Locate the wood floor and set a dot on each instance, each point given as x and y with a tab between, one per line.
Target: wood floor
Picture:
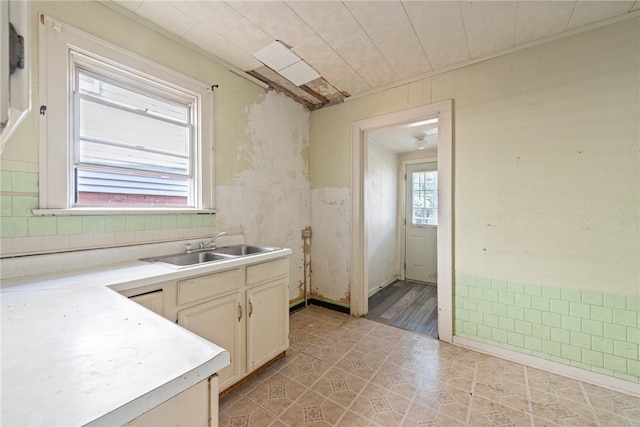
407	305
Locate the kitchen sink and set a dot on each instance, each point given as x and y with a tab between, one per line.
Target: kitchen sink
186	260
213	255
242	250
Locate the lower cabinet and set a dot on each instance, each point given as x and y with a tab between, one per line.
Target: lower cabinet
245	311
196	406
151	300
219	321
267	322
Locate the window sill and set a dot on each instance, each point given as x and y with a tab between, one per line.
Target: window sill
118	211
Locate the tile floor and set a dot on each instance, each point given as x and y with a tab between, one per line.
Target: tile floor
352	372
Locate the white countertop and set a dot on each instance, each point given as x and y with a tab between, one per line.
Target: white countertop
75	352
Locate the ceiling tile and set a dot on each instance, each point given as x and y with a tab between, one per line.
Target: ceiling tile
132	5
489	25
337	25
331	66
586	12
378	18
439	27
311	10
388	26
406	62
375	72
539	19
358	46
227	22
217	45
277	20
166	15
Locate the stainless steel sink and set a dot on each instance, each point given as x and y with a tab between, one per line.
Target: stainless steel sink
186	260
242	250
214	255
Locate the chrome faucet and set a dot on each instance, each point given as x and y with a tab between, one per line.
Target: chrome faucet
206	245
210	242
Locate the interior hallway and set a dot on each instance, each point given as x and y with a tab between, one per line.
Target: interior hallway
353	372
407	305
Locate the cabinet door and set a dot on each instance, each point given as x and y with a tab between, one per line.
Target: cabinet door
152	300
268	322
219	321
192	407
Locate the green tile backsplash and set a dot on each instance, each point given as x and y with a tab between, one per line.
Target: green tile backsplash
588	329
20	196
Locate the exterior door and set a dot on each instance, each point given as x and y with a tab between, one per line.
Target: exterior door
421	222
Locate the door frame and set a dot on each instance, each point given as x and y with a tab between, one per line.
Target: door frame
359	295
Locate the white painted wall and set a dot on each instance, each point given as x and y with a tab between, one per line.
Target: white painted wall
381	216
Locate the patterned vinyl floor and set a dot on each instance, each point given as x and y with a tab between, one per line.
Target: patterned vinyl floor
344	371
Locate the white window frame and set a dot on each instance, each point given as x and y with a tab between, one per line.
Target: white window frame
57	41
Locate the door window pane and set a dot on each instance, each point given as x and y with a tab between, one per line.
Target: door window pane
424	190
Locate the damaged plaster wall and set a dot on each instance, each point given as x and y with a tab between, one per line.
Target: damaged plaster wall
330	248
267	197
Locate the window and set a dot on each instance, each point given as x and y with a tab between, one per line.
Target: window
129	134
424	190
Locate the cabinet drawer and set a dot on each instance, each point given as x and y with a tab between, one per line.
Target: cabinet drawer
267	271
207	286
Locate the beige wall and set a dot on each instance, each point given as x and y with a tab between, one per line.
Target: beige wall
546	160
381	211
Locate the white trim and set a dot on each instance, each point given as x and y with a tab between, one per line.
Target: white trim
359	291
558	368
57	41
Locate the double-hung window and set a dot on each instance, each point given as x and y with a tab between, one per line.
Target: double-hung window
120	132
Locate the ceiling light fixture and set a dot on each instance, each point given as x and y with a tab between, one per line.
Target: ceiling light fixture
420	143
285	62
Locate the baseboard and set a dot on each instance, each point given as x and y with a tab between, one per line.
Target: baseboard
330	306
321	303
573	372
296	307
382	286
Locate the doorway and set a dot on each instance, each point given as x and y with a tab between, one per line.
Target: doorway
359	288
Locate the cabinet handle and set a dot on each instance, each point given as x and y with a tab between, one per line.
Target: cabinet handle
250	308
239	312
